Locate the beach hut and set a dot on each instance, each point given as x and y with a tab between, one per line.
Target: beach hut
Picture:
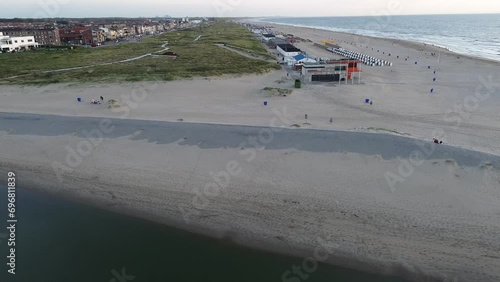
301	58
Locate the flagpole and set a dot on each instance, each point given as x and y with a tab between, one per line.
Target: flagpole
347	72
340	71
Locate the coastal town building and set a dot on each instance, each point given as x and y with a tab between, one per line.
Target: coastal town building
109	33
98	36
43	36
10	44
76	35
92	32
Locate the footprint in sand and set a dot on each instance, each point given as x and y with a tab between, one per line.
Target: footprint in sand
453	167
490	174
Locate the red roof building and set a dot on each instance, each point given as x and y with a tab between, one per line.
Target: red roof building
76	35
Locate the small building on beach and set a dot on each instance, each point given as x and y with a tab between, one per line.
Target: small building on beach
303	58
338	70
268	36
288	50
323	72
352	66
275	42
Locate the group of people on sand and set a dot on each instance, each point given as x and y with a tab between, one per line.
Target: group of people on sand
96	101
437	141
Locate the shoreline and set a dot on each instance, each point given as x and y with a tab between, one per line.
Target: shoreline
174	244
259	212
300	253
407	41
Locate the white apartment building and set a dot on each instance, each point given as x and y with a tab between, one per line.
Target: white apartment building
9	44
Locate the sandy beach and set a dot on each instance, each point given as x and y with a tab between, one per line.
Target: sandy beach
206	155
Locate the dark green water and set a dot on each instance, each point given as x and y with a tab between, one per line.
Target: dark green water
62	241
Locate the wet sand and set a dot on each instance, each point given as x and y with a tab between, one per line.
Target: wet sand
289	192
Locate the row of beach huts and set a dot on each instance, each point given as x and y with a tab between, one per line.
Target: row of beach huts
307	67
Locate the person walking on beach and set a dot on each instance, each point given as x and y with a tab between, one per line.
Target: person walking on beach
102	98
305	116
331	120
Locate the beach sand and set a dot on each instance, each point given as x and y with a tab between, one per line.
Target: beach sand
364	185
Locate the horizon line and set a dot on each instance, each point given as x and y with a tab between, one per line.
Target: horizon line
235	17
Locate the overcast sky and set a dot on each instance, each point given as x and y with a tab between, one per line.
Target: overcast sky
241	8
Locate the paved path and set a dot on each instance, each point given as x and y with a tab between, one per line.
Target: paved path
250	56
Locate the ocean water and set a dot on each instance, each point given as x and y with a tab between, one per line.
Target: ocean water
475	35
64	241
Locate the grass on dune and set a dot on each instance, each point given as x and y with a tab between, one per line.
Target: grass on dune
195	58
46	59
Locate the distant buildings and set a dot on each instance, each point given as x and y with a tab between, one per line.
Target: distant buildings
76	35
109	34
92	32
267	36
98	36
44	36
275	42
10	44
